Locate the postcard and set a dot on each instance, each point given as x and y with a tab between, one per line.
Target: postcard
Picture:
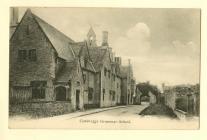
104	68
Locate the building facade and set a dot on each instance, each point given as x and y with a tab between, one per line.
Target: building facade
47	66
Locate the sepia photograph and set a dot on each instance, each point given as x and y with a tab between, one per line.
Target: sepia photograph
104	68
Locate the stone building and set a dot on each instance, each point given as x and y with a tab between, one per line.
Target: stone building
43	67
90	99
108	80
46	66
128	84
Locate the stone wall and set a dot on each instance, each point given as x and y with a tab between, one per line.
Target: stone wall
170	98
27	36
77	88
41	109
118	90
152	99
124	91
108	83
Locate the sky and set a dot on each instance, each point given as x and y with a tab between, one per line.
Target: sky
163	44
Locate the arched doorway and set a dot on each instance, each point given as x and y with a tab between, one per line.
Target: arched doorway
60	93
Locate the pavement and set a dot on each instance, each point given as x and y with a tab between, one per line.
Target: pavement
66	116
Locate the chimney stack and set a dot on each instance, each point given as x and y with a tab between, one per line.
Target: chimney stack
14	15
118	60
105	38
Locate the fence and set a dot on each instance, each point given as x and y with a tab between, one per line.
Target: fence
188	103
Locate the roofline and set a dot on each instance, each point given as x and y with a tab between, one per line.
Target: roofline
34	17
17	26
88	70
72	51
45	35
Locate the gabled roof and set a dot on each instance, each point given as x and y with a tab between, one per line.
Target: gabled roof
67	71
80	50
59	40
77	48
97	56
91	32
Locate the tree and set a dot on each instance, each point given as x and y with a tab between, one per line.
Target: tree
146	87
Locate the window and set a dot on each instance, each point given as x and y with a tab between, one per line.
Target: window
109	74
78	70
32	55
84	78
85	62
113	96
110	92
90	94
38	89
114	76
105	71
103	94
117	85
91	40
22	55
28	29
78	83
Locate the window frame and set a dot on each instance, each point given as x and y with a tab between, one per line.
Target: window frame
32	55
103	90
22	55
38	89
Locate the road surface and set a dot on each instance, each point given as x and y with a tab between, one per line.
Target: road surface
128	111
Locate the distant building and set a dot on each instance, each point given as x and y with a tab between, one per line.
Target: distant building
128	84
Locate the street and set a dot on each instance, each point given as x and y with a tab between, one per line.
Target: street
129	111
123	117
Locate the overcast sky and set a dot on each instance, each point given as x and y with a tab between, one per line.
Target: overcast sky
163	44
